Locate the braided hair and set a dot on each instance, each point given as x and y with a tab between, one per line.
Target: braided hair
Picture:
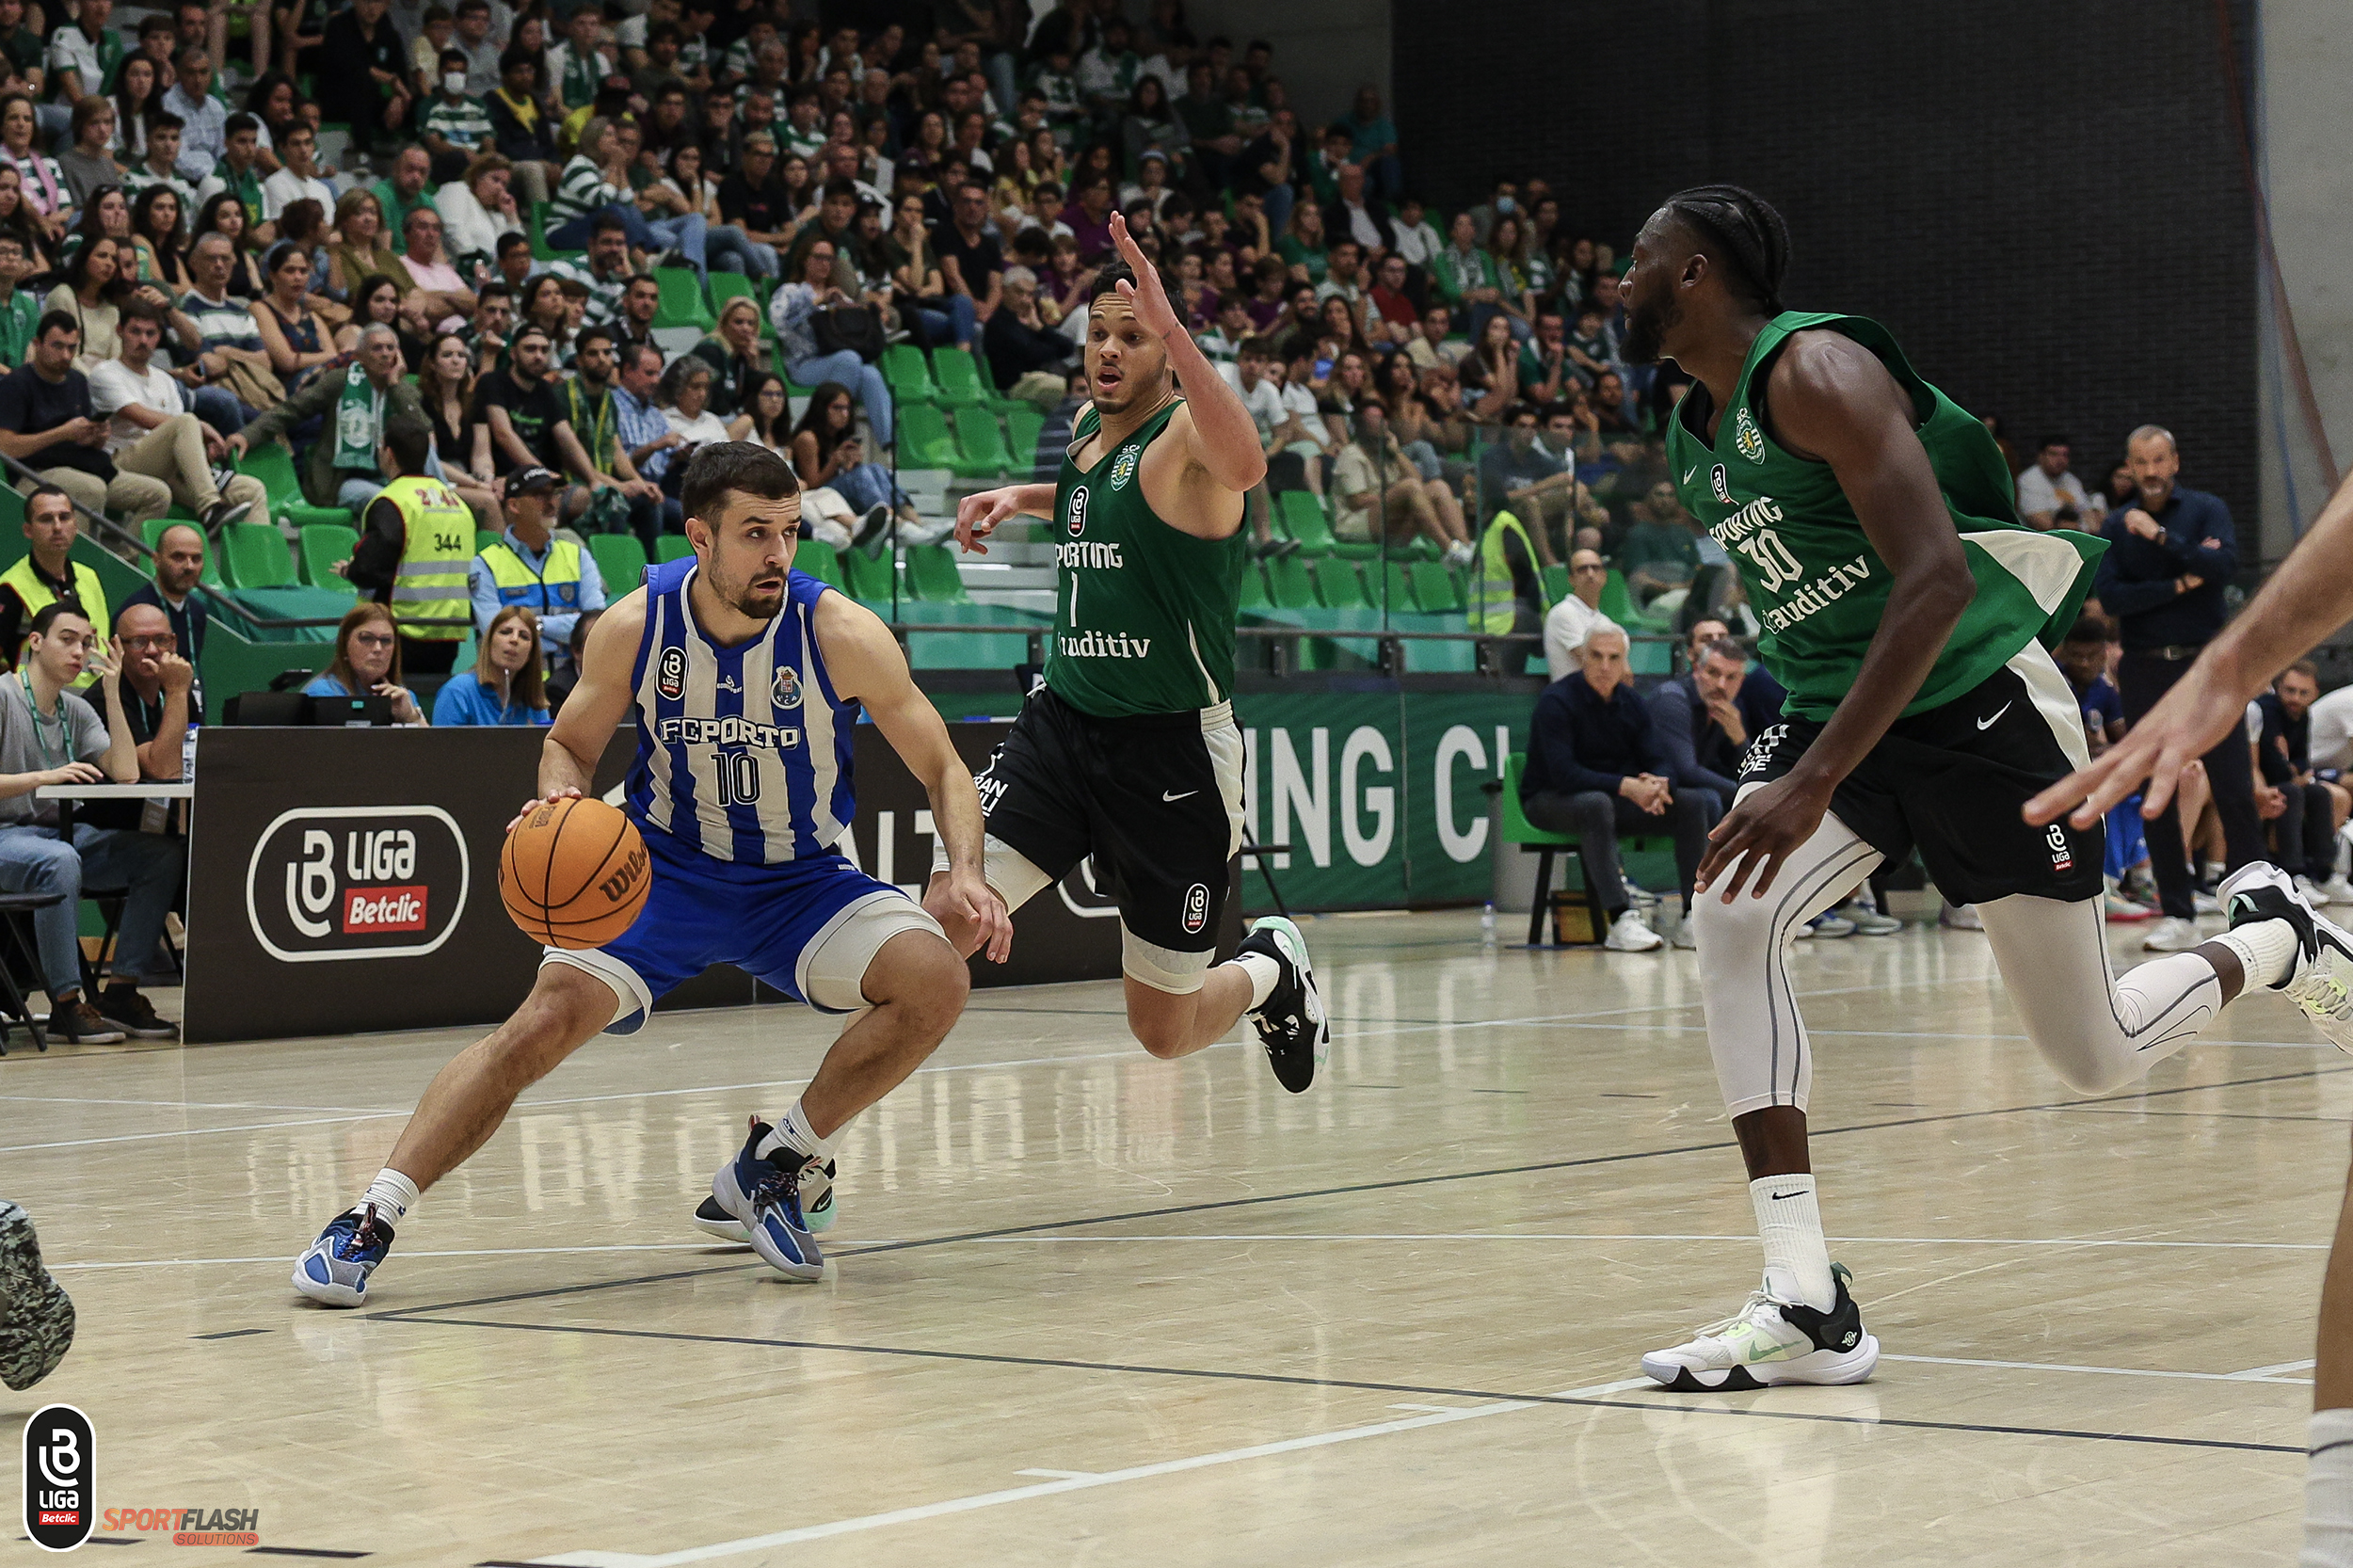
1746	232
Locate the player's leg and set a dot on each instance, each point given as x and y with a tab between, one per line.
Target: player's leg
1037	821
856	946
1804	1325
461	1107
2328	1478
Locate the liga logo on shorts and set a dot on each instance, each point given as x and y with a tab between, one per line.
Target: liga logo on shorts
1077	520
1196	908
670	680
2063	857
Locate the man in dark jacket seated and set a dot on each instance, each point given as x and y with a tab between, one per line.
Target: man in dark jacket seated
1595	770
1697	719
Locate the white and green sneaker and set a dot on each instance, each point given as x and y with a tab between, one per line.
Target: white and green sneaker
1770	1342
2321	980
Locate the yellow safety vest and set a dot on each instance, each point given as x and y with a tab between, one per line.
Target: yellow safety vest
553	592
1493	600
429	598
37	596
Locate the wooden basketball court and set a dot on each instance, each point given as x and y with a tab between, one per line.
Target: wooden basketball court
1090	1307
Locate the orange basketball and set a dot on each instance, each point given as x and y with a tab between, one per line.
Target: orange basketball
574	874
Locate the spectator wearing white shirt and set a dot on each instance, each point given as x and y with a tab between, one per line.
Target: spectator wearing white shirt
1411	237
298	179
2049	497
150	430
2331	744
1246	373
1568	623
686	404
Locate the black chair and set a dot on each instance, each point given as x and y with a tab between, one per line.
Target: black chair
16	913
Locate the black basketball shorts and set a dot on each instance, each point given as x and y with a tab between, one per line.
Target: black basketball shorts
1951	781
1155	800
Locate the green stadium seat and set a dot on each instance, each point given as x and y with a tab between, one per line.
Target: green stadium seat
325	545
484	538
1617	600
1338	584
959	378
932	575
1436	590
984	444
736	285
683	302
621	561
672	547
273	465
1024	423
254	555
1393	590
817	559
924	439
1253	594
1300	516
1289	583
869	578
536	227
908	375
1556	583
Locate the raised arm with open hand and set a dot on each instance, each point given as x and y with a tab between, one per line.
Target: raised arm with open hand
1223	438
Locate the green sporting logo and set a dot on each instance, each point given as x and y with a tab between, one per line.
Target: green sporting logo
1748	438
1122	467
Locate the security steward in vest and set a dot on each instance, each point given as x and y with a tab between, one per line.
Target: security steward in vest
47	574
530	566
420	524
1508	595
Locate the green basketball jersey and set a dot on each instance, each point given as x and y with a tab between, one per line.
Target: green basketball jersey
1817	588
1144	613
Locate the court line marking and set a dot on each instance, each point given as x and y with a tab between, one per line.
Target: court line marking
466	1252
1070	1482
2109	1371
1391	1184
1657	1235
2258	1374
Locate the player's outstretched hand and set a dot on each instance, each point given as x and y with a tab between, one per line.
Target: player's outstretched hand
566	793
1759	834
978	516
968	897
2202	707
1146	295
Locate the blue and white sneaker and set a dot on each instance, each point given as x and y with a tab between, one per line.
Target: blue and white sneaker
335	1271
1291	1022
817	1208
764	1197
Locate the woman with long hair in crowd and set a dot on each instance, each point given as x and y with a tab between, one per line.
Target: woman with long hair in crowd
445	379
139	97
800	190
1507	239
363	248
367	662
156	219
769	415
826	452
375	302
506	685
298	340
45	190
1492	369
735	356
939	315
19	222
107	213
542	305
277	103
93	293
225	215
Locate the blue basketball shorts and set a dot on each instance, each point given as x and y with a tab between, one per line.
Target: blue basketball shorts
809	928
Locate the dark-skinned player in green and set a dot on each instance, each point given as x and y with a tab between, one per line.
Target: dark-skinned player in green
1908	611
1127	750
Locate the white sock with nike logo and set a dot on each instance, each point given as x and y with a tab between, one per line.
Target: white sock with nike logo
1796	1259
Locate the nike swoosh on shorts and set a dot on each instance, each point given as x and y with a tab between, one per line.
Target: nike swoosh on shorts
1165	795
1988	721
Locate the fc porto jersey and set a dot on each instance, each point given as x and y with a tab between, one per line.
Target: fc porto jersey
742	752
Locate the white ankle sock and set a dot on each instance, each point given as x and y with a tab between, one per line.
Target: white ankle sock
1264	974
794	1133
2329	1493
1789	1221
393	1194
2265	948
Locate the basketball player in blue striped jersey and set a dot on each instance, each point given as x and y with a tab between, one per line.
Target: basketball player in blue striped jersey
745	679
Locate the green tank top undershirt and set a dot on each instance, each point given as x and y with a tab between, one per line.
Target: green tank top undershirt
1144	613
1816	586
